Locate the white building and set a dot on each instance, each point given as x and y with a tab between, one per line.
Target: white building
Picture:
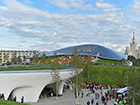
133	50
30	84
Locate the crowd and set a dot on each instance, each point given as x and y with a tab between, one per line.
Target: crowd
11	98
103	96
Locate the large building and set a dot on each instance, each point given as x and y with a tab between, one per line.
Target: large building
7	55
88	49
133	50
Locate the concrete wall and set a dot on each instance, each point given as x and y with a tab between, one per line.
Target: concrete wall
28	83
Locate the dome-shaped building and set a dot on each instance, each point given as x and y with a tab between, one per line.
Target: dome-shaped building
88	49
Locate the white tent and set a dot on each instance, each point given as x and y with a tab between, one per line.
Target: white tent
122	90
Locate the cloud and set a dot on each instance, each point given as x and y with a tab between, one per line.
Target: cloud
106	7
119	48
56	30
60	3
71	4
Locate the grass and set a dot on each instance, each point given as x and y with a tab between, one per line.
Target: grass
35	67
114	75
4	102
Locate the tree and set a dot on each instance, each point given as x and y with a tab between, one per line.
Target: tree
14	60
19	60
56	76
6	58
77	64
132	59
0	60
35	58
89	66
24	58
43	59
134	81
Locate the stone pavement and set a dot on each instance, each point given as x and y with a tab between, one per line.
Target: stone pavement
68	99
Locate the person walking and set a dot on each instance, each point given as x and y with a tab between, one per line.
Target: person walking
15	99
106	99
116	103
92	101
98	95
95	95
120	102
124	101
88	103
82	94
97	103
22	99
105	103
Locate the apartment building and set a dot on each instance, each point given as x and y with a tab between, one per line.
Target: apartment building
7	55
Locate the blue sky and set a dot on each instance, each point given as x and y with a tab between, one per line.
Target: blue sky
53	24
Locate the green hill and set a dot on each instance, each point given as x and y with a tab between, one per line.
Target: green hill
105	74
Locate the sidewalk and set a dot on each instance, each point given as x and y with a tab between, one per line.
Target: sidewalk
68	99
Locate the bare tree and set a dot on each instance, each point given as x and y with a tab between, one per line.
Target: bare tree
56	76
77	64
89	66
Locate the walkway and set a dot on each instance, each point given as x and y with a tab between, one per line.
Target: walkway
68	99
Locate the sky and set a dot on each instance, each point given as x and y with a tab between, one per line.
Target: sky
49	25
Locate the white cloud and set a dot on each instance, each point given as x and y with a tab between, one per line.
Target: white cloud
71	4
106	7
60	30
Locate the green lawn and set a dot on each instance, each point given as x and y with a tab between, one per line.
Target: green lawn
110	62
4	102
34	67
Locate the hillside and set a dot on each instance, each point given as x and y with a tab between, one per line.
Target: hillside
107	74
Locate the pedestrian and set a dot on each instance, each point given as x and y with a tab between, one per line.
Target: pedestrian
82	94
103	99
95	95
116	103
97	103
98	95
105	103
2	96
120	102
92	101
106	99
88	103
15	99
124	101
22	99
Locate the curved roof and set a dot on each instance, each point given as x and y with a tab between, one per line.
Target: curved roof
88	49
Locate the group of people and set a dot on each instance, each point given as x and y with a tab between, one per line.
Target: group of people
2	96
15	99
11	98
105	97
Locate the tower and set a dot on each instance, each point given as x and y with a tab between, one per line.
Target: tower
133	50
133	45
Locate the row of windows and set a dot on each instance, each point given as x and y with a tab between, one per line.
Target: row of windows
16	51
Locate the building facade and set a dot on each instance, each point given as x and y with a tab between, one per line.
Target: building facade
8	55
133	50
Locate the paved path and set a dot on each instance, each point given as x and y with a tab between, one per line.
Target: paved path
68	99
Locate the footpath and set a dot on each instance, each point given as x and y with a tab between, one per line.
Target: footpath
69	99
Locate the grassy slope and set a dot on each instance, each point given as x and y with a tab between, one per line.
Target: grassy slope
4	102
107	74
